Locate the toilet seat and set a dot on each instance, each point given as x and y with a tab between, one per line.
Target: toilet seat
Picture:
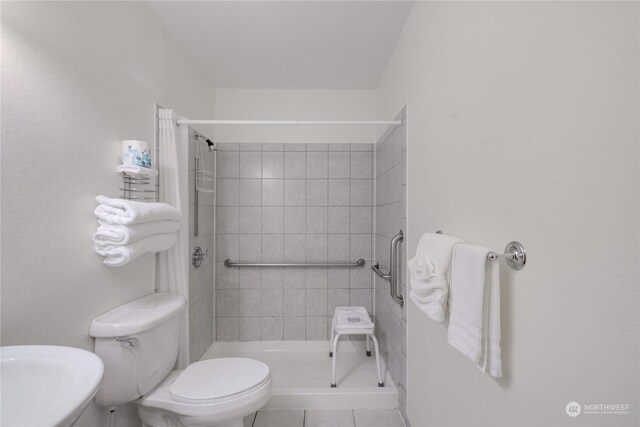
202	404
213	380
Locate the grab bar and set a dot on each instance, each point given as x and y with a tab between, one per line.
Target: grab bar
357	263
394	261
392	275
376	269
195	200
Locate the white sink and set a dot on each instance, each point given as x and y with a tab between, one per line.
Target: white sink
44	385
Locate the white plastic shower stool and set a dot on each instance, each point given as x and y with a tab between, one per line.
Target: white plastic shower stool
358	323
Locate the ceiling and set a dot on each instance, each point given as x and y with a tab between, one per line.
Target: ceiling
287	45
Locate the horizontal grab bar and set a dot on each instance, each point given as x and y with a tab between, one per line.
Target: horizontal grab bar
357	263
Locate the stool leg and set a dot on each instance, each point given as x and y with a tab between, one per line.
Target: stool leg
333	362
333	331
368	347
375	345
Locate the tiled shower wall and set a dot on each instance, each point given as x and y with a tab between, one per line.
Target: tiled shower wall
201	283
391	217
291	202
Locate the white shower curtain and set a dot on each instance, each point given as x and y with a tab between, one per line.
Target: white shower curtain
173	270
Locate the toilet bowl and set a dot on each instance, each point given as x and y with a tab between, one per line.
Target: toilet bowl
138	343
187	398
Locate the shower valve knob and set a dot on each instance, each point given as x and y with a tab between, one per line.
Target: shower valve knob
198	256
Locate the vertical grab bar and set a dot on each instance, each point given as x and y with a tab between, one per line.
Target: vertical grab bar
394	267
195	199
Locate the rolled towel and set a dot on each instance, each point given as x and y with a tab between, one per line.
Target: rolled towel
128	212
117	255
108	234
428	273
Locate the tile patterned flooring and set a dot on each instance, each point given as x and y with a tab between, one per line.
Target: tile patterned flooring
325	418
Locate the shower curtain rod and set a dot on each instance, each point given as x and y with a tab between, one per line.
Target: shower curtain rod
287	122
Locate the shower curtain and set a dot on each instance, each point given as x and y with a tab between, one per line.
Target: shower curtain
173	271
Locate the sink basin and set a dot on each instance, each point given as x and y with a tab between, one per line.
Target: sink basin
44	385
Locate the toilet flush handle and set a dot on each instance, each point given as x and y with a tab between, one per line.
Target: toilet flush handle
133	341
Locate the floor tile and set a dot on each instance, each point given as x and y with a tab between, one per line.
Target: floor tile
279	419
378	418
329	418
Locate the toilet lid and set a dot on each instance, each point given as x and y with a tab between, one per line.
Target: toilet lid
214	379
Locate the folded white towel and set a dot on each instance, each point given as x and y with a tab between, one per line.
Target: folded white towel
128	212
137	170
117	255
474	325
429	273
108	234
352	318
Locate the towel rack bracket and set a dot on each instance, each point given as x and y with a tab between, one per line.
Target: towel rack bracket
518	255
514	255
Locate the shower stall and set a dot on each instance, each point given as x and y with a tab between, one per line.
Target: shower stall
289	234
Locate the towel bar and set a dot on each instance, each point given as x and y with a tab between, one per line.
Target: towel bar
514	254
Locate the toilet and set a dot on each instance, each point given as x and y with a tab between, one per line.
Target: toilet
138	343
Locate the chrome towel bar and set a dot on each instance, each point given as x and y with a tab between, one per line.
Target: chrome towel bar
357	263
514	254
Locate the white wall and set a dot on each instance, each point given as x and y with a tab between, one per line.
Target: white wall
312	104
523	125
77	77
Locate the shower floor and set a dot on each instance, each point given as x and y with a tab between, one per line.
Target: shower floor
301	373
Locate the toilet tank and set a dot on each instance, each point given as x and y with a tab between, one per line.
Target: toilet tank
138	343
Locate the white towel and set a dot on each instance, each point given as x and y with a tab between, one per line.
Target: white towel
108	234
474	325
128	212
137	170
429	273
117	255
352	318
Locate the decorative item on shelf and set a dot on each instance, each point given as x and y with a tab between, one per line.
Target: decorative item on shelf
136	153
